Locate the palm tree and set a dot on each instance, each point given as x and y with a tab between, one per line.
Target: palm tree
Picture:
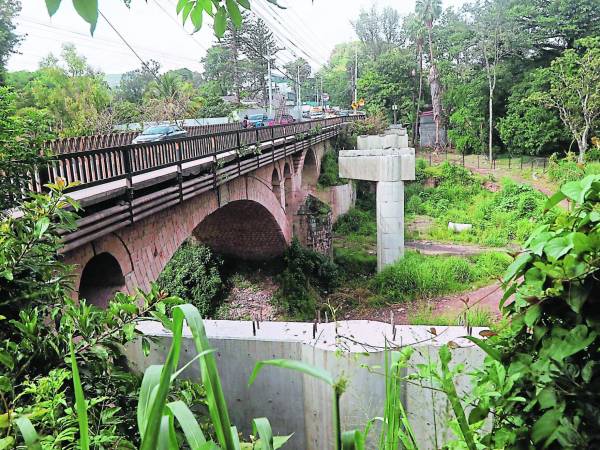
428	11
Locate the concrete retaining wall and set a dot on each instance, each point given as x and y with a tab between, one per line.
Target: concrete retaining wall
299	404
339	198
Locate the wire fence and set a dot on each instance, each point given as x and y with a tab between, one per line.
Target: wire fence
483	162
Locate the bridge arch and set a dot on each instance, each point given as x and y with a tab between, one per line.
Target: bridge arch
243	229
101	278
310	168
276	184
288	186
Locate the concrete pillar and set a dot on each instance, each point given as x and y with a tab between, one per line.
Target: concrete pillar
390	222
387	160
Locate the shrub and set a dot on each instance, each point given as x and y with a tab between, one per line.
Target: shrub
550	396
193	274
373	124
307	276
356	221
330	171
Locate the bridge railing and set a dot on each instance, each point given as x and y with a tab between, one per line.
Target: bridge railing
100	141
93	167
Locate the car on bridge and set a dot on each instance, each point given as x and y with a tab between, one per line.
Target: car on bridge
258	120
284	120
159	133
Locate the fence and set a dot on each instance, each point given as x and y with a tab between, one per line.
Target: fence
85	143
482	162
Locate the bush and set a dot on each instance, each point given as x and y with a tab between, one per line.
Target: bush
373	124
193	275
419	276
306	277
356	221
550	396
330	170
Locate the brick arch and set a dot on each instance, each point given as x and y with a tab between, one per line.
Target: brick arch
100	279
310	167
244	229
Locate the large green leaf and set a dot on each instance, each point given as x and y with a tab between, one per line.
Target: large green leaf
188	423
293	365
88	10
353	440
516	266
262	428
147	390
234	12
220	22
27	430
82	417
52	6
495	354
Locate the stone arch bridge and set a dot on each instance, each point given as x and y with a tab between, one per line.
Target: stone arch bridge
238	191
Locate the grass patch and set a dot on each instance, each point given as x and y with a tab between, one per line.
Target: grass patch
498	218
330	171
475	317
418	276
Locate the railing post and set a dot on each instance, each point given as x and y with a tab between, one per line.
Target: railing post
179	171
128	180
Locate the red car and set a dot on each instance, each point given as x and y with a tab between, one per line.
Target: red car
285	119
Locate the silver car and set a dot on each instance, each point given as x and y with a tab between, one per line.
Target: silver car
160	133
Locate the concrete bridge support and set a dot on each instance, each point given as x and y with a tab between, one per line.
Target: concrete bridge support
383	159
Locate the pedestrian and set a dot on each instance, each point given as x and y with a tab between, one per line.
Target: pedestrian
245	122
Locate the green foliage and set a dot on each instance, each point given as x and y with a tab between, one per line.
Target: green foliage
375	123
467	122
21	137
498	218
540	378
307	276
9	39
568	169
193	273
356	221
38	319
475	317
330	171
528	128
418	276
354	261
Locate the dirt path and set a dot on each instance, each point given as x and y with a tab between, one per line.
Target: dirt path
440	248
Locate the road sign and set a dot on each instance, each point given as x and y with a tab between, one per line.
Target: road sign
394	107
354	106
361	102
325	97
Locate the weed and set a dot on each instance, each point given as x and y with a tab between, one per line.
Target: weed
475	317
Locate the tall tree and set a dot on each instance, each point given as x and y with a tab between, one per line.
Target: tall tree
416	33
574	80
429	11
378	31
133	84
495	37
218	68
9	39
259	45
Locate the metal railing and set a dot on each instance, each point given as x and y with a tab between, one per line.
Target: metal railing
93	167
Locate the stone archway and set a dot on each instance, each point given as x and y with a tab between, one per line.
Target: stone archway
243	229
310	169
287	186
276	184
101	278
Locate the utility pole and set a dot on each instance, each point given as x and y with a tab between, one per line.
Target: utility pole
298	94
355	74
270	84
316	90
322	102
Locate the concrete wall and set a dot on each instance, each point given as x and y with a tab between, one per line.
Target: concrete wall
301	405
339	198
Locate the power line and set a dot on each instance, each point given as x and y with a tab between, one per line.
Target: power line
299	37
201	46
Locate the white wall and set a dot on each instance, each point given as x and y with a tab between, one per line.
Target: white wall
301	405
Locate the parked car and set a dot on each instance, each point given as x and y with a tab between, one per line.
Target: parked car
258	120
285	119
344	113
160	133
316	115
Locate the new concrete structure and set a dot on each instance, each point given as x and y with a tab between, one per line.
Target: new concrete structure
302	405
387	160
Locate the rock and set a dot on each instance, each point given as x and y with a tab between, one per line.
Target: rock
459	227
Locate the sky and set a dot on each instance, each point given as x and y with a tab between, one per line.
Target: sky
307	28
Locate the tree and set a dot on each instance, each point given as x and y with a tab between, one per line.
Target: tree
428	11
9	9
218	68
528	127
259	45
496	38
133	84
416	32
378	31
574	80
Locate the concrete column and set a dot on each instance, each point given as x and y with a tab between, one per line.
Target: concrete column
390	222
387	160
